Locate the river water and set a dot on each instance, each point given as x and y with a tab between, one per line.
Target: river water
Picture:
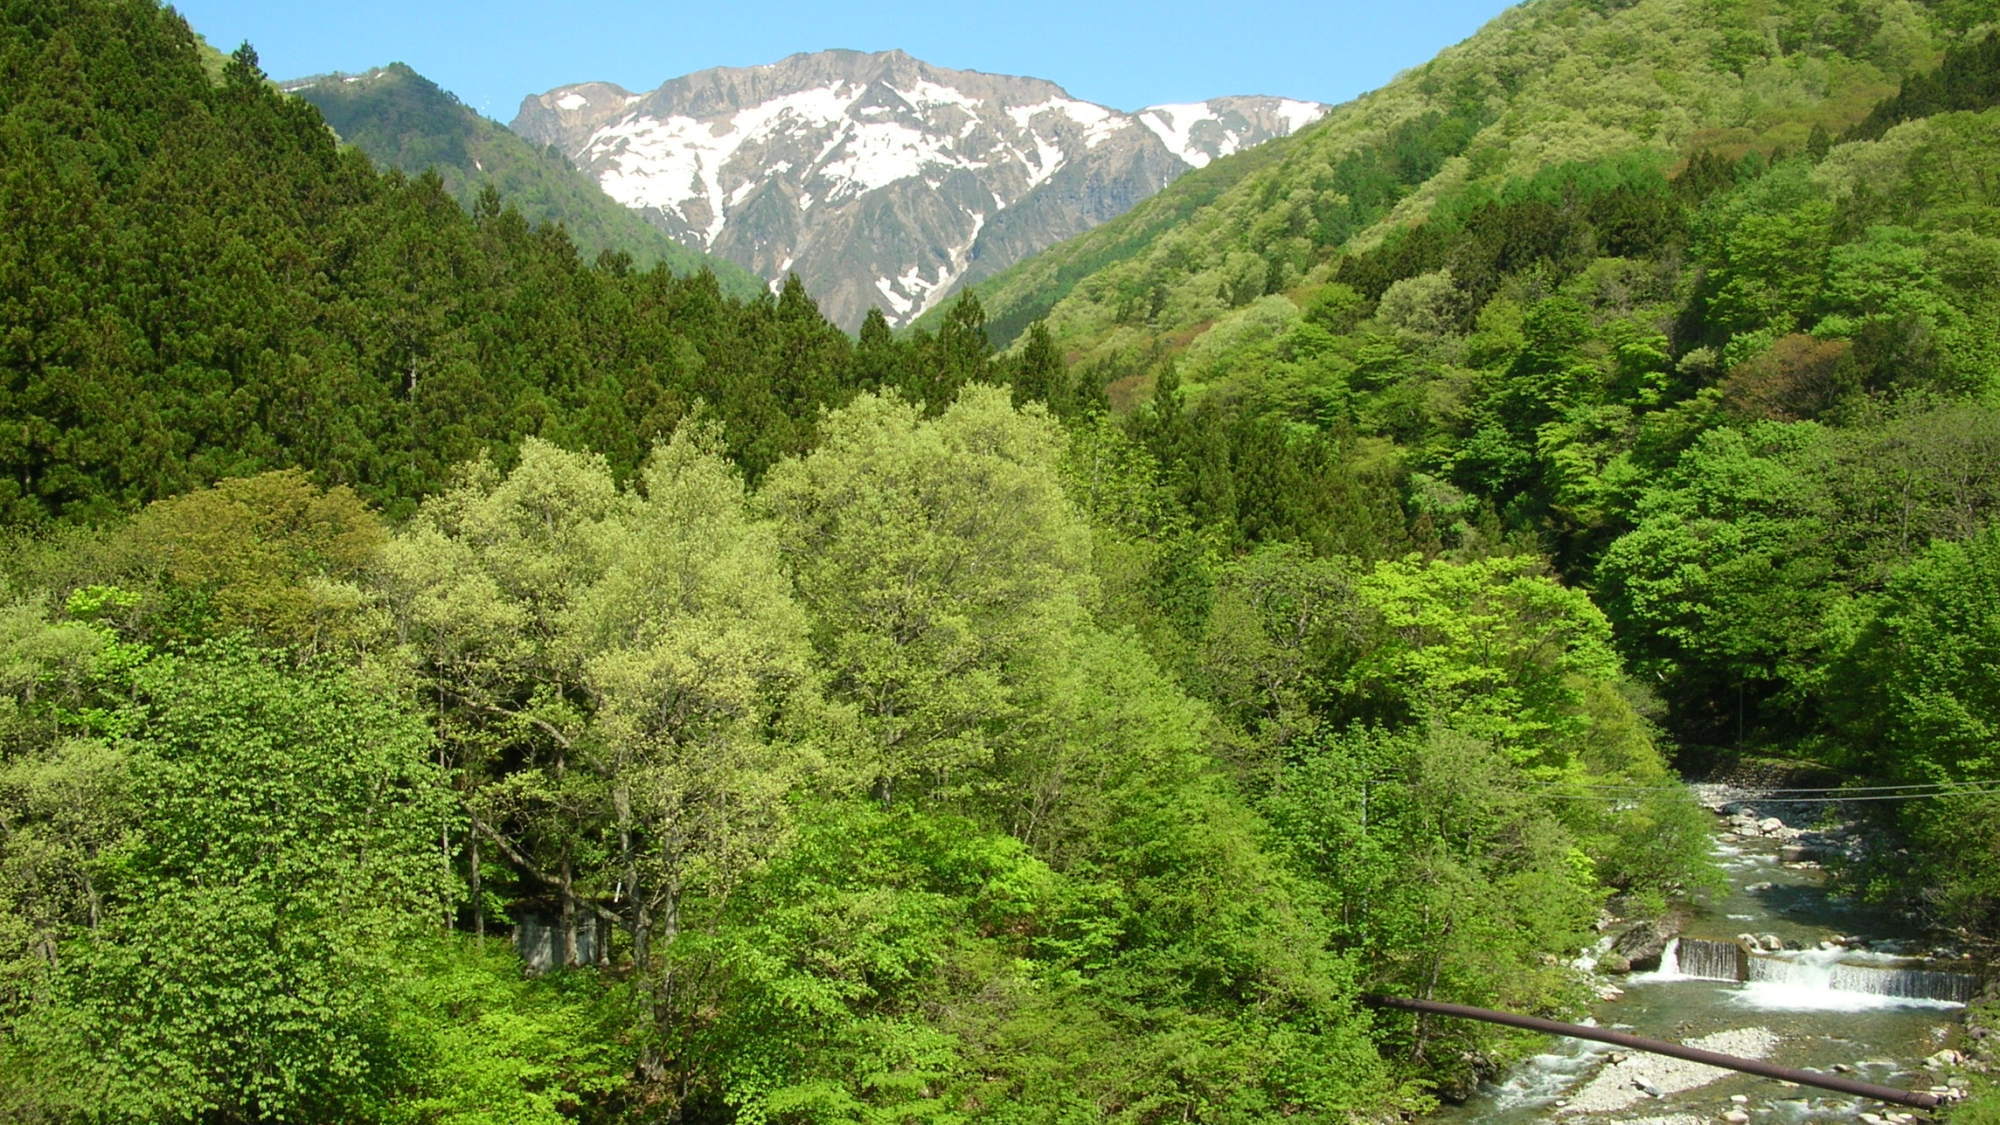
1808	1008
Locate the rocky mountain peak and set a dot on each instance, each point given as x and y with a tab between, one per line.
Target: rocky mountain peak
880	179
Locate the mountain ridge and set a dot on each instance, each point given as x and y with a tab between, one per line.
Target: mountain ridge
880	179
1540	85
401	119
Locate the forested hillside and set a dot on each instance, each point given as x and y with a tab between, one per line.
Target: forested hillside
865	729
201	284
1544	84
1695	300
403	120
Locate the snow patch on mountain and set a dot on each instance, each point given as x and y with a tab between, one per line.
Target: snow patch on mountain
1200	132
925	94
671	162
1046	162
1298	115
878	154
961	260
1173	124
1098	122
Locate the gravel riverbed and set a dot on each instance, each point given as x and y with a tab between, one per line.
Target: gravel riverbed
1634	1078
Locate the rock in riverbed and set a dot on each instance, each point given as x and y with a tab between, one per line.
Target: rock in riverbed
1641	946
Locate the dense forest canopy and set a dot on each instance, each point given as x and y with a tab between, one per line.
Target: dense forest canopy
884	729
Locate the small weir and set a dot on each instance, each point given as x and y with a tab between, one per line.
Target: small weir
1827	971
1705	960
1823	970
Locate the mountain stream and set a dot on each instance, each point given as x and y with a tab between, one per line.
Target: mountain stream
1845	994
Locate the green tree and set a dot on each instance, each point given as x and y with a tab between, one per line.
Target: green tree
271	554
695	663
1494	649
618	672
1917	701
944	571
286	844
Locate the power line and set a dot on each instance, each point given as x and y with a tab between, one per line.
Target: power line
1969	792
1755	793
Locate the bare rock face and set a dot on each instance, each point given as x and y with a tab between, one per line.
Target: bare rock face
882	181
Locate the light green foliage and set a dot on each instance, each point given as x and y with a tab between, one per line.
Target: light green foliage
1770	249
695	658
66	806
1241	340
1454	862
1935	171
1746	551
1282	628
1699	568
1491	648
946	575
1538	86
1399	723
484	1046
848	936
1653	846
484	582
1405	834
1153	565
1175	974
1425	306
272	554
635	659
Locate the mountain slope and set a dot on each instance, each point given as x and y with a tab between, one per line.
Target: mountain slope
1543	84
879	179
403	120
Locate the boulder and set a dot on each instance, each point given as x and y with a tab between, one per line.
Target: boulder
1642	945
1770	825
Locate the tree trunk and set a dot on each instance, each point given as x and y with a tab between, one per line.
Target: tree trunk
642	936
569	956
478	903
639	919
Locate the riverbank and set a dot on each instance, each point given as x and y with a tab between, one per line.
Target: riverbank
1785	969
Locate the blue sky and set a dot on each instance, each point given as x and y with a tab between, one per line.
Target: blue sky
1125	55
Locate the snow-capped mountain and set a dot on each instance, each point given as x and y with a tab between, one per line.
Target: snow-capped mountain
883	181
